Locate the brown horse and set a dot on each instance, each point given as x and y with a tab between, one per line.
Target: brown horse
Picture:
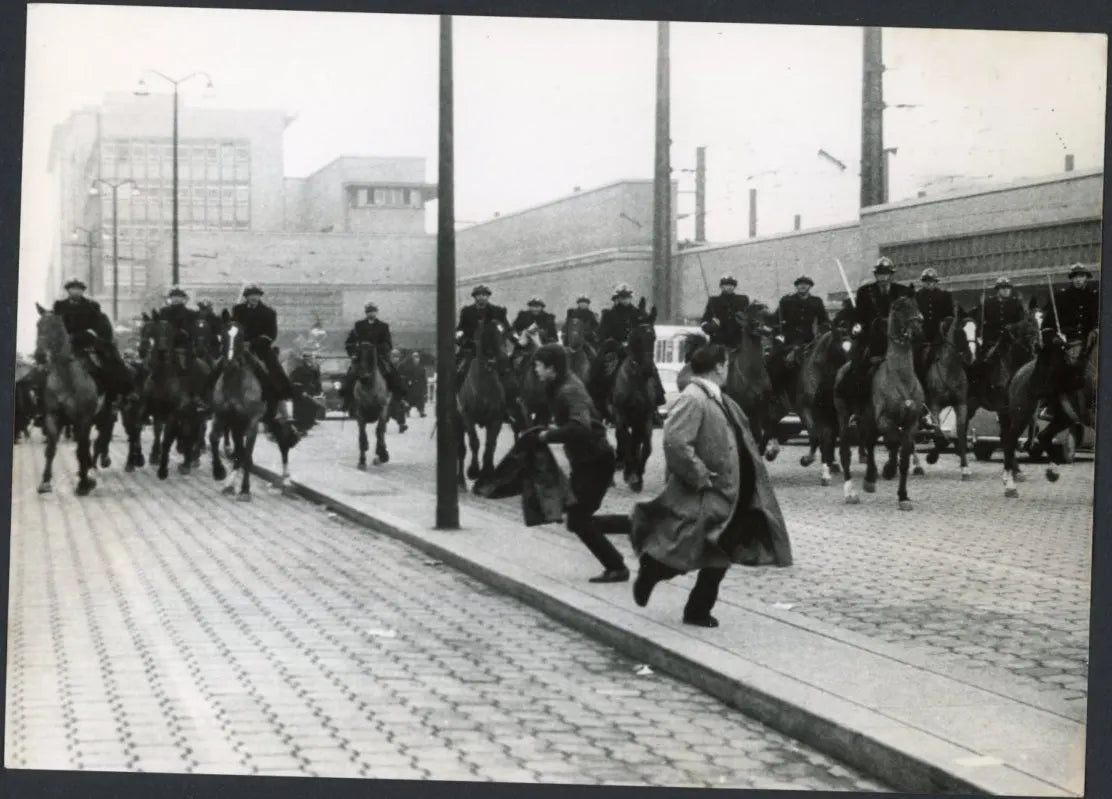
580	353
748	383
238	406
632	402
371	403
947	386
895	405
168	395
70	397
481	401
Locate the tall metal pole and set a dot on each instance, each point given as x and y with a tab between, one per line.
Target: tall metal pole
872	121
115	258
447	491
700	194
174	212
92	272
752	213
662	183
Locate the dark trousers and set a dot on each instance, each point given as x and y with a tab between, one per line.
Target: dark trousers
701	600
590	480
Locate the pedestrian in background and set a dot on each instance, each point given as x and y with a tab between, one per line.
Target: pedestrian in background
577	425
718	507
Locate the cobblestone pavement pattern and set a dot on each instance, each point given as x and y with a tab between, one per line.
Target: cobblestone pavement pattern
969	577
163	627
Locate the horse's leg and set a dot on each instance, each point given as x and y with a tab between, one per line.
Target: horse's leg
157	425
845	455
50	432
807	419
247	460
169	435
237	432
644	450
381	454
105	427
218	430
1008	444
941	443
473	443
1058	422
907	448
768	434
870	430
82	436
492	432
961	428
361	422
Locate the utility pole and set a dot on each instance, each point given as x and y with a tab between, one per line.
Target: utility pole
662	183
872	121
752	213
447	490
700	195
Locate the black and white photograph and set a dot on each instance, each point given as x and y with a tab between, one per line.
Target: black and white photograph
555	401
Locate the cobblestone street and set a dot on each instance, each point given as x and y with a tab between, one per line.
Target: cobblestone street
162	627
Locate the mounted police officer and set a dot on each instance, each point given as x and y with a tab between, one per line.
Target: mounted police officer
90	331
872	306
371	330
1078	308
935	304
208	315
582	310
800	317
258	325
613	331
537	316
997	312
182	318
720	317
481	310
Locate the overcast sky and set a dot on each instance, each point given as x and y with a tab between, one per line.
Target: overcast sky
544	105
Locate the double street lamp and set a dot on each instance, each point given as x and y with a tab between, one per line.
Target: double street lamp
142	91
115	187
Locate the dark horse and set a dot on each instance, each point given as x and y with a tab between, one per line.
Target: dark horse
946	385
748	383
70	397
532	404
169	395
580	353
238	406
481	401
895	405
632	402
370	403
133	410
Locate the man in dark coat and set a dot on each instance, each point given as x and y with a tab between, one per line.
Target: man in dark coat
873	305
374	331
718	507
306	380
91	332
800	318
582	310
481	310
416	382
577	425
182	318
536	315
1078	308
205	312
614	328
935	304
720	316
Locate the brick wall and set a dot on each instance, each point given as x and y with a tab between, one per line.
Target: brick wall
766	267
589	221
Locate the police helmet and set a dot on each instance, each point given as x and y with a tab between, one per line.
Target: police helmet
728	280
929	275
370	306
884	266
804	279
74	283
252	289
1077	270
475	292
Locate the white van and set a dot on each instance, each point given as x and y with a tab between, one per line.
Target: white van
669	356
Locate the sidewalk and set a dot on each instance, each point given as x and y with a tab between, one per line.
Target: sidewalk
886	709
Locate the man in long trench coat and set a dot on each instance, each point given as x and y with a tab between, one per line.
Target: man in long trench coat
718	507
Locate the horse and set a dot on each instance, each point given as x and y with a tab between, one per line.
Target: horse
1040	382
811	394
532	404
481	401
371	403
201	335
580	353
24	404
168	395
632	402
947	386
237	406
133	410
69	397
895	405
748	383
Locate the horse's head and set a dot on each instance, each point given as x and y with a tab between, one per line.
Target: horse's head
51	338
574	333
641	345
1024	334
490	340
232	343
201	332
366	360
754	320
905	322
160	333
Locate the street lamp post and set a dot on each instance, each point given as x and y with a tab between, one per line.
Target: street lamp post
115	237
89	245
142	92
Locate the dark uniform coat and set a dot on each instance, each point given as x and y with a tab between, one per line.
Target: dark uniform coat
873	303
1078	311
544	320
214	327
182	318
262	320
800	317
590	324
719	321
83	314
471	315
376	332
618	322
308	377
997	314
935	305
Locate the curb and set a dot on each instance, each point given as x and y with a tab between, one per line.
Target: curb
892	765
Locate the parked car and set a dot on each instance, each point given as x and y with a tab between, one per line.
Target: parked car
984	437
332	371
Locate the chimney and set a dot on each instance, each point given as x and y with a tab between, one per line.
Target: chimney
1069	163
752	213
796	222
